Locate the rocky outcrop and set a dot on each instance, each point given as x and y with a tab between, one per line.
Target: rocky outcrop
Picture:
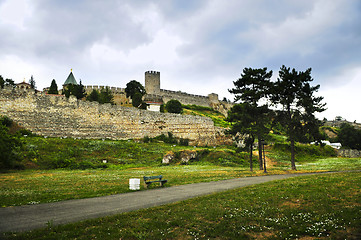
349	153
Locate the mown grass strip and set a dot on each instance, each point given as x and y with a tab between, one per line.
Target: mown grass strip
323	206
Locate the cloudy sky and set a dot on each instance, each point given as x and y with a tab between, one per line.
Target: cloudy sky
199	46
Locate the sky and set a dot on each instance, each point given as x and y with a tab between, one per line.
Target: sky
199	47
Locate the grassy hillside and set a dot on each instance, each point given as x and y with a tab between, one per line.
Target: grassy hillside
52	153
217	117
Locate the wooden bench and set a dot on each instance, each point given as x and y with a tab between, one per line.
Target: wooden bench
149	180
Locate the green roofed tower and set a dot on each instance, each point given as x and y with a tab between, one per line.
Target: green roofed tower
70	79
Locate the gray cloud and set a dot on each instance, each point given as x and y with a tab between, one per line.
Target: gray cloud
199	46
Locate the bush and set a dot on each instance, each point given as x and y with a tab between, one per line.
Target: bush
7	122
184	142
9	147
174	106
25	132
350	136
167	139
147	139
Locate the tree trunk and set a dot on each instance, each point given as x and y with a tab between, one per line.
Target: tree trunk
293	165
250	157
260	159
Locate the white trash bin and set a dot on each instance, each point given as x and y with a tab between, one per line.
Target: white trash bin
134	183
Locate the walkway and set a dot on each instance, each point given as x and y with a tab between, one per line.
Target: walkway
28	217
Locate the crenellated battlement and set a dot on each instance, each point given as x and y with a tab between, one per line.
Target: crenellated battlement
90	88
153	72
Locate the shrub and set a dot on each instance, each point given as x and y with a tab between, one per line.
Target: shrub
184	142
7	122
147	139
174	106
9	146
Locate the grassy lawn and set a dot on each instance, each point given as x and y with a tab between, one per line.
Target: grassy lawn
41	186
323	206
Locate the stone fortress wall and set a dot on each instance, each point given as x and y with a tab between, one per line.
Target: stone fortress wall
152	87
57	116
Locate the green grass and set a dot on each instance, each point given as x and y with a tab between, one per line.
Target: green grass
41	186
332	164
52	153
129	159
217	117
323	206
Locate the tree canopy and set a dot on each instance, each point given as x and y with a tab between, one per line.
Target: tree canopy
2	82
349	136
174	106
32	82
293	92
104	96
76	90
251	116
53	88
134	87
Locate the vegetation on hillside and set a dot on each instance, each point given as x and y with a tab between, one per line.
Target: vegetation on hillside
218	118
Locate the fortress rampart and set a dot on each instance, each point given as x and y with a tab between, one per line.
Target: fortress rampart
57	116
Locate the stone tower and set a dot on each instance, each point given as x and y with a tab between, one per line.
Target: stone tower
152	82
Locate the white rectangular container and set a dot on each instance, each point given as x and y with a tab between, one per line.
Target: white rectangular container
134	183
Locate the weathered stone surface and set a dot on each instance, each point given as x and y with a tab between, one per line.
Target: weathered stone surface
168	157
349	153
187	155
57	116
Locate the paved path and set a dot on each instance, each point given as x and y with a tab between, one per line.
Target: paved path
28	217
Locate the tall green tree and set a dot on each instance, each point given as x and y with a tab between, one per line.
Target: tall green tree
349	136
293	92
137	100
93	96
246	121
2	82
32	82
9	82
53	88
106	96
253	115
133	87
79	91
76	90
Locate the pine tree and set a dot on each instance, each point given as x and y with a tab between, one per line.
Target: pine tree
53	88
296	96
32	82
252	116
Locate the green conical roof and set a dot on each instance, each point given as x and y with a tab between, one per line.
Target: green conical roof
70	80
